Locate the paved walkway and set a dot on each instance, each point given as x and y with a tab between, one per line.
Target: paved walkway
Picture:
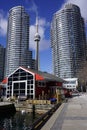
70	116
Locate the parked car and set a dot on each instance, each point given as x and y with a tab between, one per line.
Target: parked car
75	93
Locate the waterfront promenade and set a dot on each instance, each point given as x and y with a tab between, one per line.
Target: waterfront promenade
70	116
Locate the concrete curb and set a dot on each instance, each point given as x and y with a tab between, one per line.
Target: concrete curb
53	118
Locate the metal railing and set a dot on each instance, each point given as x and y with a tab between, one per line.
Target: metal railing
42	120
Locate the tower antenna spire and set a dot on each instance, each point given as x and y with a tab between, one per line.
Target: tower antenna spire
37	24
37	39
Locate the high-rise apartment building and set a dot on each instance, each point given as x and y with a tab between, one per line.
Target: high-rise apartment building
68	41
2	61
17	50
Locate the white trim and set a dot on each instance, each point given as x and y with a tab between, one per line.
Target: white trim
22	69
33	87
25	81
25	69
13	72
6	90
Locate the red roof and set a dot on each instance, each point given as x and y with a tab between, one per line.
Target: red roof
5	81
38	77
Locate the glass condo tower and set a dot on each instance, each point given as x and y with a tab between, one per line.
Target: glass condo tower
17	49
68	41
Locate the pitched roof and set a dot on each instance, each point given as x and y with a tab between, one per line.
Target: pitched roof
45	75
39	75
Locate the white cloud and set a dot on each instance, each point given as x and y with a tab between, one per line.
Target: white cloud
43	44
43	24
34	7
3	24
83	6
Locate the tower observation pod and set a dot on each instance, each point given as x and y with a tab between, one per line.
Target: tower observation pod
37	39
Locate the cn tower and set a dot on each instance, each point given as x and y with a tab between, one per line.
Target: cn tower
37	39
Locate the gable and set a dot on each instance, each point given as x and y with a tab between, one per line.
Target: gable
20	74
21	69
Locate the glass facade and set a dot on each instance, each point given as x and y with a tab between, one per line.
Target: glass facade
67	41
2	60
21	83
17	50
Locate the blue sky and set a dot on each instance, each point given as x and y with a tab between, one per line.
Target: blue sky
45	10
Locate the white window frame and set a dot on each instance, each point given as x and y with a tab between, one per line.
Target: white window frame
25	81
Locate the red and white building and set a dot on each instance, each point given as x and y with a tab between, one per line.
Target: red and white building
31	83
